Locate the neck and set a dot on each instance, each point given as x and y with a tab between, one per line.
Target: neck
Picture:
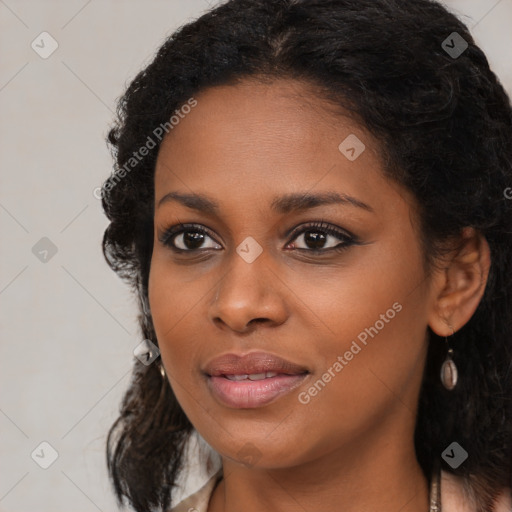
380	474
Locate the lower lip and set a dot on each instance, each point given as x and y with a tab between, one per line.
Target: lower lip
252	393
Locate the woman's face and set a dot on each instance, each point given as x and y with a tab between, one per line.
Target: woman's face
245	278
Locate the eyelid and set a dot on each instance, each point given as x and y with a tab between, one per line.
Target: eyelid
181	227
320	225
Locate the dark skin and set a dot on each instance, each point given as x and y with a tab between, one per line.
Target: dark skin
351	447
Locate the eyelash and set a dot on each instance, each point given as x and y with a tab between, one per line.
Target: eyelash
166	238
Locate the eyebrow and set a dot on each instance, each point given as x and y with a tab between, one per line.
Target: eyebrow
283	204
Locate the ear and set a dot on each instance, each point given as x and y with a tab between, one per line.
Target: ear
460	285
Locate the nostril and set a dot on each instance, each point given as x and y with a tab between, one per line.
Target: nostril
258	320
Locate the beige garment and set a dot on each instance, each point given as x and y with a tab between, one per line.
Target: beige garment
452	496
198	502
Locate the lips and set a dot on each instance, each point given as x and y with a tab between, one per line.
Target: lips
254	363
252	380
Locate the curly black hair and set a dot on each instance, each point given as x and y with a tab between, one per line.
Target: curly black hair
444	123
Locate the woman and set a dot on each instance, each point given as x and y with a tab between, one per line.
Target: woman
310	201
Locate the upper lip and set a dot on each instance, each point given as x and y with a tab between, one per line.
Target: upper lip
254	362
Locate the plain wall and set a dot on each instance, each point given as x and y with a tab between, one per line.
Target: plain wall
68	324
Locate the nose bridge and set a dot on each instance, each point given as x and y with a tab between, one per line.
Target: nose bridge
248	290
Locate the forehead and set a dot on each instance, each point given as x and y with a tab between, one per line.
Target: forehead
251	140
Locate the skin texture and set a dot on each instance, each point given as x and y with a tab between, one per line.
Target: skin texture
352	445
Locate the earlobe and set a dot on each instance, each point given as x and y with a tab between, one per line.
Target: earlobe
461	284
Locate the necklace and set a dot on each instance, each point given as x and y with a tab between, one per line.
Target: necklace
435	488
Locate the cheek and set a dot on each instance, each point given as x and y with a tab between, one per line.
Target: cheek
366	291
174	312
373	318
367	375
173	305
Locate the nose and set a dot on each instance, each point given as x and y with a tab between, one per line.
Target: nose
247	295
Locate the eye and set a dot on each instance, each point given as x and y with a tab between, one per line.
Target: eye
187	238
315	237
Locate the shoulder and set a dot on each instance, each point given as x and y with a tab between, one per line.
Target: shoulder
454	498
198	501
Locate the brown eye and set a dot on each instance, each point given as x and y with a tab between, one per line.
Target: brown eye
187	238
321	237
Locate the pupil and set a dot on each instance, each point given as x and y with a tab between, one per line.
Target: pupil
193	239
317	239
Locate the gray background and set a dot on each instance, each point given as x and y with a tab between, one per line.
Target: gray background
68	324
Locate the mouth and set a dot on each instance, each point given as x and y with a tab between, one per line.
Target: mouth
253	380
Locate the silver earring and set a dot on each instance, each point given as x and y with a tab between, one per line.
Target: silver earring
449	373
162	370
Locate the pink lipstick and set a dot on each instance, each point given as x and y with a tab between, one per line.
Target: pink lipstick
252	380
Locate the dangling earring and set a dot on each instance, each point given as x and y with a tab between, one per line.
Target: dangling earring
162	370
449	373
